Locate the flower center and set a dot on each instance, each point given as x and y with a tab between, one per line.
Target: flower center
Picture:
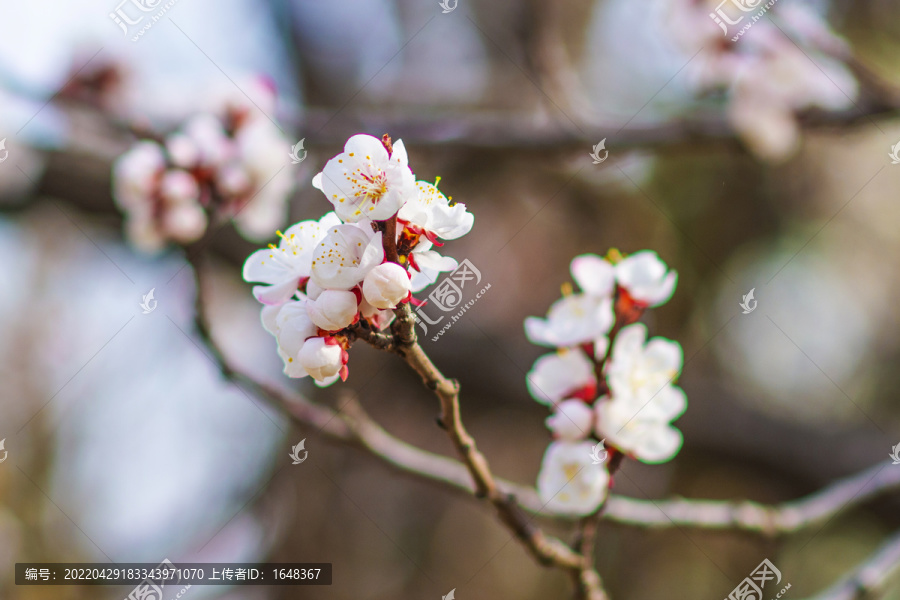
369	187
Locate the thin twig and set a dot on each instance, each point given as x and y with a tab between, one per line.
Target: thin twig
545	549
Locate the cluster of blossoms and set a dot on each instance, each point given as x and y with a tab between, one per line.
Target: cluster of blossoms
216	164
605	381
327	277
768	78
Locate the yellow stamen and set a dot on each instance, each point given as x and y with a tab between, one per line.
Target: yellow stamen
614	256
566	289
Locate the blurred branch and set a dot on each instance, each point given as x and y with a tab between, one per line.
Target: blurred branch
869	577
527	132
757	518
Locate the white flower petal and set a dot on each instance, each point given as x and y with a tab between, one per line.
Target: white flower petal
572	421
593	274
569	482
646	278
344	257
556	376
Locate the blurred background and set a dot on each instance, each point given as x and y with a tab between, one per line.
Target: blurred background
762	164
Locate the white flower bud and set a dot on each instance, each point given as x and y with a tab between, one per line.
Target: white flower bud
135	172
179	187
182	150
333	310
386	285
184	223
320	359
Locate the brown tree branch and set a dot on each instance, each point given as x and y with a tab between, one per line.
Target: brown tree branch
549	551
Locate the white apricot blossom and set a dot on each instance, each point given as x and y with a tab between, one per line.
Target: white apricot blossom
160	204
768	73
594	275
324	275
560	375
569	482
345	256
638	368
572	421
646	278
365	182
431	211
386	285
333	310
572	320
283	268
167	189
640	426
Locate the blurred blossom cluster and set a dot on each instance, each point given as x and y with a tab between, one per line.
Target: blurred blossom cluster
786	65
605	380
220	164
354	266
